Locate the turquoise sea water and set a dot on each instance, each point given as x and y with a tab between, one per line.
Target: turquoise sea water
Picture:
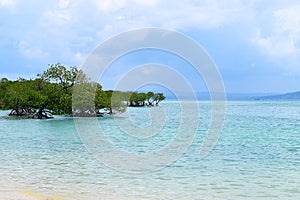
256	157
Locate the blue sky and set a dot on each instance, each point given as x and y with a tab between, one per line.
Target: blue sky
255	44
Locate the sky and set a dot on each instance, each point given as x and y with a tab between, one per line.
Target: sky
255	44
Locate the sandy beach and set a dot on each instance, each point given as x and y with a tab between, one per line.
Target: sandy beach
12	195
8	194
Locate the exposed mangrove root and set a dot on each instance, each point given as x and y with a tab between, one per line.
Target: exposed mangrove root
32	113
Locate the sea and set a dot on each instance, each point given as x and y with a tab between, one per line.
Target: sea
155	153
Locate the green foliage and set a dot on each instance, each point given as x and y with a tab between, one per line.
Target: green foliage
61	75
139	99
102	99
4	82
158	97
150	97
117	102
22	94
65	104
58	87
84	97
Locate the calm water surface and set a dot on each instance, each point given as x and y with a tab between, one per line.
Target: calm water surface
257	156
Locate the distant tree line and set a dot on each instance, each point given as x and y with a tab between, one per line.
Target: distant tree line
142	99
52	92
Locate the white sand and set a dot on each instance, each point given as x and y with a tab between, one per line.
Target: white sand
11	195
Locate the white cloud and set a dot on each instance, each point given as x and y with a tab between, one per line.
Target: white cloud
278	37
171	14
283	37
208	15
70	29
79	57
63	4
30	52
54	18
279	44
8	3
149	3
110	5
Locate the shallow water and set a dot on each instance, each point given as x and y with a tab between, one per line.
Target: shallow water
256	157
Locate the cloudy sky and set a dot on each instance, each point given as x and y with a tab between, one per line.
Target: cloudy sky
255	44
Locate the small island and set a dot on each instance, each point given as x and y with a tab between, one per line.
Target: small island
52	93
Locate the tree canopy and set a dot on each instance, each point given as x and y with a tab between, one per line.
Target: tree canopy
54	90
